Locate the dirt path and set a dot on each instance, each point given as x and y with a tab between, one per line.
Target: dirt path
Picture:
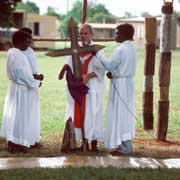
142	148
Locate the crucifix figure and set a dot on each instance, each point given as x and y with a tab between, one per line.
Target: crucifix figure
76	86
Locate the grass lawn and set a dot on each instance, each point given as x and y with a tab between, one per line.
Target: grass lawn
89	173
53	102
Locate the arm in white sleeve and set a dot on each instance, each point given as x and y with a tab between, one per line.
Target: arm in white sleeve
110	65
34	61
23	78
98	67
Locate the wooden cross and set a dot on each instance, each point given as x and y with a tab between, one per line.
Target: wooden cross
75	50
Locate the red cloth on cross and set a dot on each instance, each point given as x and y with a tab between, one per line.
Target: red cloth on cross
78	115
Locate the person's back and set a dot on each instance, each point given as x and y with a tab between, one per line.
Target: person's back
29	53
126	57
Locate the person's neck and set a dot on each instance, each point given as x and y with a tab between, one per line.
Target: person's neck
86	43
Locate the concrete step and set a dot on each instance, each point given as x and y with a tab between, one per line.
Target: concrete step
93	161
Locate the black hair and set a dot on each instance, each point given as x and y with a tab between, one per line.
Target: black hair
18	37
26	30
127	30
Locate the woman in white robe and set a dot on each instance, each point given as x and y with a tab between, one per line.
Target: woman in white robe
120	127
22	102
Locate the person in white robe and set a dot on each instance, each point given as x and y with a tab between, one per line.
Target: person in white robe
30	55
120	126
94	79
21	103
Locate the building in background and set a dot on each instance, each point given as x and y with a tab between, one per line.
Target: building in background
103	30
108	31
5	37
139	26
42	26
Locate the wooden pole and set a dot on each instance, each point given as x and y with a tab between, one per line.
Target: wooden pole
150	36
84	12
164	71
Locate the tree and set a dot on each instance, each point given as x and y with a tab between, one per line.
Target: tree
95	13
28	7
6	10
128	15
102	18
99	13
145	14
51	12
176	13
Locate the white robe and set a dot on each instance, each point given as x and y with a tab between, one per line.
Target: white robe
29	53
21	103
94	102
120	124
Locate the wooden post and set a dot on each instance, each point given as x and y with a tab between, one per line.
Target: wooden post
164	70
150	35
84	12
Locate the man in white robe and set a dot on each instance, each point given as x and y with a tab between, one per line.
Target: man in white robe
120	127
93	77
21	103
30	55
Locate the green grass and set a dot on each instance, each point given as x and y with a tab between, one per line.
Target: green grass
90	173
53	96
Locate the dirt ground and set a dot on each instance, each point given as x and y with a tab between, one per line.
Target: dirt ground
142	148
157	149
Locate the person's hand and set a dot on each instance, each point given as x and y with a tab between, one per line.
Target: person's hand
35	76
85	78
41	77
109	75
38	76
94	52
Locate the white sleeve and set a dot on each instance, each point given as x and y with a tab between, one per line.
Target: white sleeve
23	78
114	61
98	67
34	61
